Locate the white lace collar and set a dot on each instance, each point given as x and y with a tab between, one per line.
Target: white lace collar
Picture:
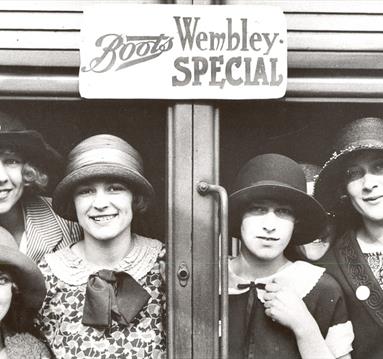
299	276
73	270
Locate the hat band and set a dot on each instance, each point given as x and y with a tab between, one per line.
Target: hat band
104	155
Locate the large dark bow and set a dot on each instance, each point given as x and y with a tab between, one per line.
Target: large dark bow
114	295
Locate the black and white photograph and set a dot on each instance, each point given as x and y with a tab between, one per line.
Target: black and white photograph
191	179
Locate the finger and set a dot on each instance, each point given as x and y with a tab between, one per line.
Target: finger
270	313
269	296
268	304
272	287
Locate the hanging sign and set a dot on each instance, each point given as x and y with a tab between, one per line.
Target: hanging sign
183	52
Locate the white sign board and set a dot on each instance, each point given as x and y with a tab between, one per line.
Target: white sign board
183	52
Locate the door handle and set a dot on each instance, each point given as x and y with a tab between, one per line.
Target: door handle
204	188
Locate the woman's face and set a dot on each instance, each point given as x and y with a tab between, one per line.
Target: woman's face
364	184
104	209
266	230
5	294
11	180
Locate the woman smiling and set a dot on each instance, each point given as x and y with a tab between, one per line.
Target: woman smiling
27	167
105	295
350	186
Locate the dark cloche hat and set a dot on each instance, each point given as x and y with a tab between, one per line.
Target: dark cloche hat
23	270
29	143
363	134
100	156
277	177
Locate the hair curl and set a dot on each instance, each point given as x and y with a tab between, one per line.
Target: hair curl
35	180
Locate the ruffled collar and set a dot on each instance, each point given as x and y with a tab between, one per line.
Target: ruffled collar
299	276
74	270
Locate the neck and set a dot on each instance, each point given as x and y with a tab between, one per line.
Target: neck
250	267
371	232
106	253
13	221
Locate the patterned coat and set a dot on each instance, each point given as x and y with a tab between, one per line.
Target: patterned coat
364	296
24	345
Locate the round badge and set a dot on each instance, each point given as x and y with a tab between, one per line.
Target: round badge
362	292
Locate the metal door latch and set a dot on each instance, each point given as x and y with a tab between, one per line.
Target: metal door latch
183	274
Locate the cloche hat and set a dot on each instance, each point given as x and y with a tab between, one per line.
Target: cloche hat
356	136
100	156
29	143
23	270
277	177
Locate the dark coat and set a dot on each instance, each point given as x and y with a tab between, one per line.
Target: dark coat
346	263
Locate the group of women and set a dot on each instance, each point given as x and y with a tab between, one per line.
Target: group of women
77	282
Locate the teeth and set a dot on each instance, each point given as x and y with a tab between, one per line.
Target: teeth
103	218
4	193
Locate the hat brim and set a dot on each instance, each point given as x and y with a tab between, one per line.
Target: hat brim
26	275
63	195
311	215
330	180
33	148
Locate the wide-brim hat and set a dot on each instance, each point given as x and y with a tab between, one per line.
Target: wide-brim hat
30	144
23	270
100	156
365	134
277	177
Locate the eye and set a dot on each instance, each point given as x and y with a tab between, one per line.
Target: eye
116	187
4	279
82	191
284	212
354	173
377	168
12	161
258	210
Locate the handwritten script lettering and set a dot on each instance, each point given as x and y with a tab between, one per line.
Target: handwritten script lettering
122	51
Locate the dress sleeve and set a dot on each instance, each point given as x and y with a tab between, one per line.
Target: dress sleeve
42	321
332	316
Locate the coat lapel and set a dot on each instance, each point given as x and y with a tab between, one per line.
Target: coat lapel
358	273
43	231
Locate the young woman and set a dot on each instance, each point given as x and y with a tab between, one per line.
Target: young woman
279	308
26	163
351	186
105	293
22	290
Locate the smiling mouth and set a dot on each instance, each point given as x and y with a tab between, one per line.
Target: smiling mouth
268	238
371	199
103	218
4	193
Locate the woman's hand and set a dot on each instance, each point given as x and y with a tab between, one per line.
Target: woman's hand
284	306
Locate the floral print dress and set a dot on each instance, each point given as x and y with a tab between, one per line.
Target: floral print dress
60	318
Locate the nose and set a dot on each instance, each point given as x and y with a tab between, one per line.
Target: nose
4	178
269	222
100	201
369	181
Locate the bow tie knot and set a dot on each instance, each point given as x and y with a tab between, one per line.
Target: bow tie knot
112	295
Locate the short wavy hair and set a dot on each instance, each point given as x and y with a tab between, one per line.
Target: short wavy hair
35	180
